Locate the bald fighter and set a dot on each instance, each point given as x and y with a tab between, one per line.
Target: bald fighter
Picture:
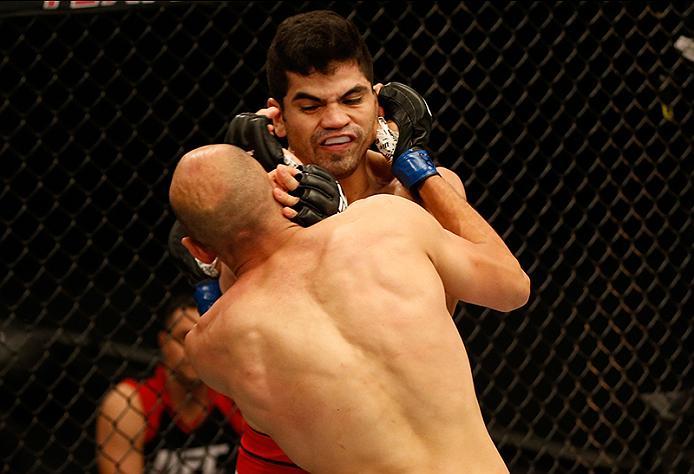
358	370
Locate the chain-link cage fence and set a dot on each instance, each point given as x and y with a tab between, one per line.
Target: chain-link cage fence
570	125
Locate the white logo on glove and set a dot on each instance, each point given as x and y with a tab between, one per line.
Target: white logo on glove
386	139
209	269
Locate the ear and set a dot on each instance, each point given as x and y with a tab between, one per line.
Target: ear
377	90
162	338
197	250
278	120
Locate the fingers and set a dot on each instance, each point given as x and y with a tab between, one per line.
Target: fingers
289	213
273	179
285	177
283	180
284	198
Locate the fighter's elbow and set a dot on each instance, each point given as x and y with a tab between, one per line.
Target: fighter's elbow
523	289
517	294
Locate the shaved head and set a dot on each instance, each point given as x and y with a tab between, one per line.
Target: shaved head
221	194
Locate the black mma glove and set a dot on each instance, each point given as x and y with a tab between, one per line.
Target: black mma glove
201	276
249	132
411	163
319	194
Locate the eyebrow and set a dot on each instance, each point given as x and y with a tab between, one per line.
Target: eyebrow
359	89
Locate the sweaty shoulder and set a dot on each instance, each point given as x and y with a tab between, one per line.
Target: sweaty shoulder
390	211
379	200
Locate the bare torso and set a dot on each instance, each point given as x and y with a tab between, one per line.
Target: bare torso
342	350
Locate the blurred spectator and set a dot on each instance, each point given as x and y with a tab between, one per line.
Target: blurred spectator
170	422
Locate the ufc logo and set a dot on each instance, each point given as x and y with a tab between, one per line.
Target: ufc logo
201	460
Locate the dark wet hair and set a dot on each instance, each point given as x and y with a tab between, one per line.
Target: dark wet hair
311	42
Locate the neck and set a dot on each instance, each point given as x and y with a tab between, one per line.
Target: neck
358	185
251	251
368	179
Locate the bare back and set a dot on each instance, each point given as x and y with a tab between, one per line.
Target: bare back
341	348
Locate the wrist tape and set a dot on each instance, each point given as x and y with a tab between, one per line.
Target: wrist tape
413	167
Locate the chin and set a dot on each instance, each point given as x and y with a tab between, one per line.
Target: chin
340	166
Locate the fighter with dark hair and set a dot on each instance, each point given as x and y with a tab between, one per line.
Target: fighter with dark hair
327	110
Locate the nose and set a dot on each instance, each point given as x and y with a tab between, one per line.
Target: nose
334	117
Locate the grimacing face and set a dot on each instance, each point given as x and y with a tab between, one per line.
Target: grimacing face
330	120
171	344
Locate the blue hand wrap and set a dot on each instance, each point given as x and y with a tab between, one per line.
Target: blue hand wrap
205	294
413	167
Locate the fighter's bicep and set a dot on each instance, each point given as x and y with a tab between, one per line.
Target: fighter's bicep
469	271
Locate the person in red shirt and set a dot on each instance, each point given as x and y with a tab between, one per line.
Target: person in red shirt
170	422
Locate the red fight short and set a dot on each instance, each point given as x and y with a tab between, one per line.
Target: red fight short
259	454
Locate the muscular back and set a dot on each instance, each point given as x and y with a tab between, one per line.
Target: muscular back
341	348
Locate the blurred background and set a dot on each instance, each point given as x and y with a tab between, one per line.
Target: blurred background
570	125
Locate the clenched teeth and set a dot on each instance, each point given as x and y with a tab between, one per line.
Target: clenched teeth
336	140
